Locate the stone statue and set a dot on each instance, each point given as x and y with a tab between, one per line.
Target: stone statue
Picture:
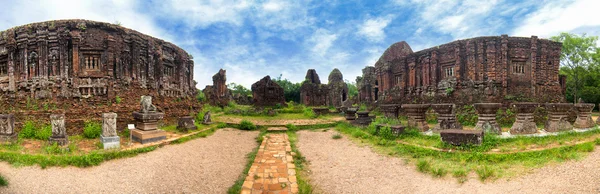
109	124
147	106
58	125
207	119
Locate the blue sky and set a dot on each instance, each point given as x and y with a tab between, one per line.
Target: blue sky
251	39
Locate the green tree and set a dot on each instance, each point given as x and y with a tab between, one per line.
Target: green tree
577	57
291	91
239	89
352	89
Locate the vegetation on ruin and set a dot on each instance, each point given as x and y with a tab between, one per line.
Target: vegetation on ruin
437	158
31	130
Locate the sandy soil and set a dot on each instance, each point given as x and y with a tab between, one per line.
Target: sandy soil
341	166
204	165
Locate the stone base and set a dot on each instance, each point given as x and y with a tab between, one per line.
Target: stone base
61	141
462	137
489	127
584	123
396	129
558	126
185	124
148	136
320	111
419	124
521	128
113	142
8	138
148	126
447	124
362	121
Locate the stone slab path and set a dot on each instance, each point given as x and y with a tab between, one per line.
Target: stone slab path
273	170
342	166
203	165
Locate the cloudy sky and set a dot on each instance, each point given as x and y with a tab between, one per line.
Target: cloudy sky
251	39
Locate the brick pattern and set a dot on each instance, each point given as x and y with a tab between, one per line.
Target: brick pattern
273	170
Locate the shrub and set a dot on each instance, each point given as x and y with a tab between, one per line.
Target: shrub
28	130
221	125
505	118
309	113
247	125
485	172
3	181
466	115
92	130
291	127
200	96
44	133
439	172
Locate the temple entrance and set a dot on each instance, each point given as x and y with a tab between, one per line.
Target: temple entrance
344	95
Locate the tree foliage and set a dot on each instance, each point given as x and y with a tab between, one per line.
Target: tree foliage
352	89
239	89
580	59
291	91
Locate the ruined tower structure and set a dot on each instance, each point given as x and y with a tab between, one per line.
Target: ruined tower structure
481	69
218	94
81	67
84	59
313	93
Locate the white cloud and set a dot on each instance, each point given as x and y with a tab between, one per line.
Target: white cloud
322	40
273	6
205	13
373	29
563	16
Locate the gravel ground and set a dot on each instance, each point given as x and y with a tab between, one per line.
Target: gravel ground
204	165
341	166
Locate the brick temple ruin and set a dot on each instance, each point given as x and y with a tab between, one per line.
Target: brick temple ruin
266	92
481	69
218	94
313	93
84	66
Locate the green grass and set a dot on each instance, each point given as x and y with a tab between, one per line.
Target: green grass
3	181
300	162
439	163
92	130
336	136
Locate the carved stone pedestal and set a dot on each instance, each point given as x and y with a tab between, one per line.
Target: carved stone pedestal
390	110
524	123
320	111
186	123
351	114
446	117
557	117
487	117
7	128
584	116
363	118
59	132
146	129
109	137
416	115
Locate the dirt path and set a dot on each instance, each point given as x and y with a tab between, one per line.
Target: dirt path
204	165
341	166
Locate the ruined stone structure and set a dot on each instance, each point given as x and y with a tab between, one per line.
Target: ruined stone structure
146	125
266	92
524	123
584	116
313	93
59	132
187	123
479	69
486	120
557	117
79	64
416	115
218	94
446	117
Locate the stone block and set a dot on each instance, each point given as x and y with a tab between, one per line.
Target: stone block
320	111
148	136
396	129
59	132
558	117
148	117
416	115
7	127
462	137
390	110
584	116
351	114
109	124
186	123
446	117
363	118
111	142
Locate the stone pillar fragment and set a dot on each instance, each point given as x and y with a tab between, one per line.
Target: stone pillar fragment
524	123
416	115
187	123
487	117
59	132
584	116
7	127
557	117
446	117
146	128
351	113
390	110
109	136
